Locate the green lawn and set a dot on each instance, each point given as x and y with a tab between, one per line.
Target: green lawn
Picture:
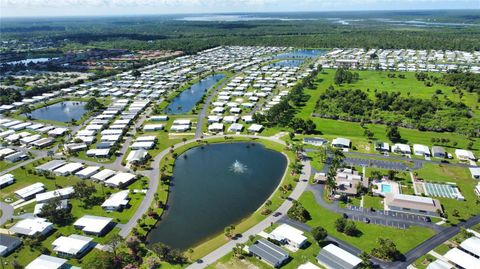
373	202
404	239
330	129
461	176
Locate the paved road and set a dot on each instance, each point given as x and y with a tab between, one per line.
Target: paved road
433	242
206	106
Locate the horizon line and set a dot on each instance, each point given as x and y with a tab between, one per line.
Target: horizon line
232	13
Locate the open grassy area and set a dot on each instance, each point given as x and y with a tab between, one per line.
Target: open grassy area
462	178
331	129
404	239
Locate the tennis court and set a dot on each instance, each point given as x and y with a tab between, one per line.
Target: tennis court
442	190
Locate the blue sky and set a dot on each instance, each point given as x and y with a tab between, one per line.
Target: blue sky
14	8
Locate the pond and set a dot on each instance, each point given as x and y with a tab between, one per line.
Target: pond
214	186
32	60
288	63
187	99
62	111
303	54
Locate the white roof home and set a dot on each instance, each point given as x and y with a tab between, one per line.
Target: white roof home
103	175
6	180
308	265
32	227
421	150
236	127
471	246
475	171
401	148
230	119
153	127
143	145
255	128
289	235
60	193
182	122
146	138
159	118
333	257
341	142
93	224
50	166
116	201
6	151
464	155
215	127
68	169
180	128
46	262
73	246
120	179
87	172
57	132
29	191
462	259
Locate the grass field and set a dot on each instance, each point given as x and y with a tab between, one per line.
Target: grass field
330	129
461	176
404	239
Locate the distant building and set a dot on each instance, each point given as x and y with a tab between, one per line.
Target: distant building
94	225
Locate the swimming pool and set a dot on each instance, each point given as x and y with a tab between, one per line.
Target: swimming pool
386	188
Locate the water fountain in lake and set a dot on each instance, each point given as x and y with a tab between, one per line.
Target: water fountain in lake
238	167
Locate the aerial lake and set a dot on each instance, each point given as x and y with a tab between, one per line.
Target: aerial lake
214	186
62	112
302	54
288	63
187	99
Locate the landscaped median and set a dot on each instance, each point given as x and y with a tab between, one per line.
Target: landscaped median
166	168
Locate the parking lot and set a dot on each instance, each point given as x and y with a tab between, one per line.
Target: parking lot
380	221
387	218
399	166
